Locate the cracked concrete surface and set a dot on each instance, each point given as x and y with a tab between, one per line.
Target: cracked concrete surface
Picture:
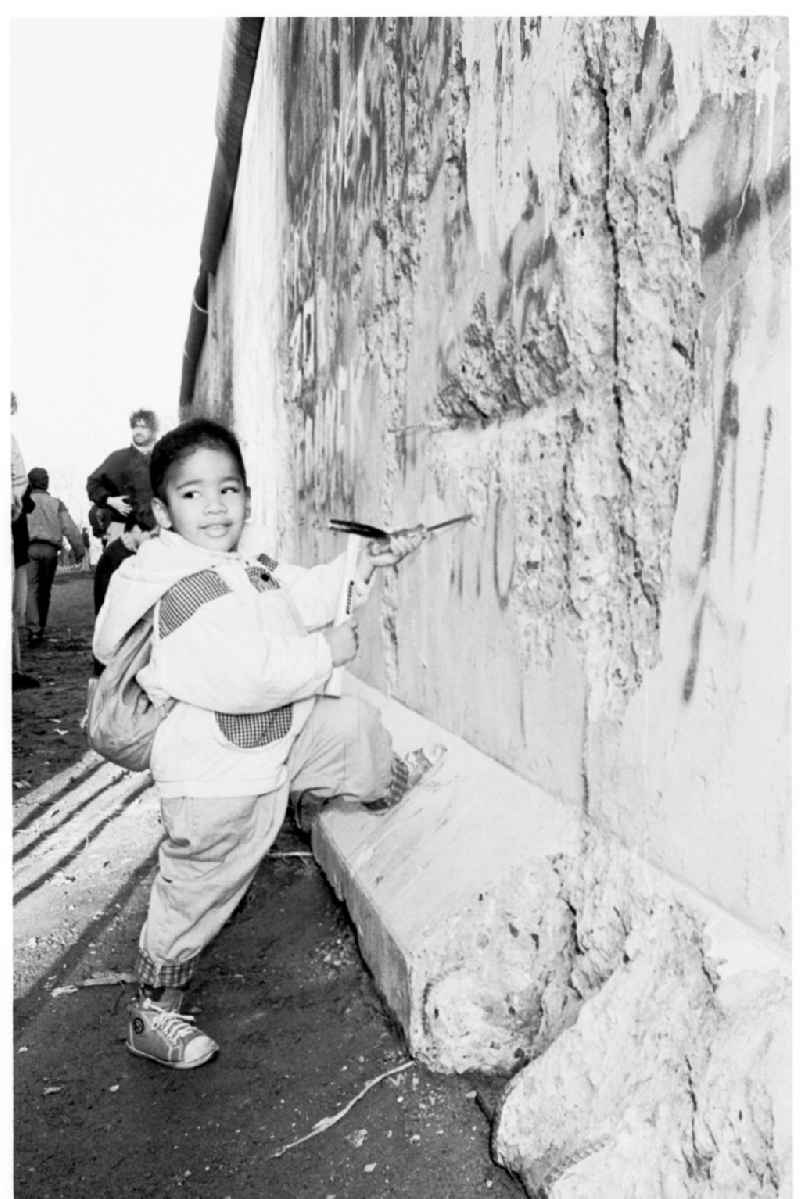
538	269
645	1031
658	1069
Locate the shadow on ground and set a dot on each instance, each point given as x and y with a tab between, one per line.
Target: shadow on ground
45	729
302	1031
283	990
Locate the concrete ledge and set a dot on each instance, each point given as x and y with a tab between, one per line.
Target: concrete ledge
421	884
508	935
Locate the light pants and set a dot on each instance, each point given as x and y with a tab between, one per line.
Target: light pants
19	602
213	847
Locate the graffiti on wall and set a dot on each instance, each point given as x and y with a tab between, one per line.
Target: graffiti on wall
564	299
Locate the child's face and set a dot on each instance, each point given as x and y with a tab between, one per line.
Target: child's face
206	499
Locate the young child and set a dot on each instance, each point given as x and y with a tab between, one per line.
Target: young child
246	646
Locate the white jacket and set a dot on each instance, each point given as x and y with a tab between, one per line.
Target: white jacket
236	642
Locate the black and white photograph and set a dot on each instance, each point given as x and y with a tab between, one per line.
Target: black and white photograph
400	729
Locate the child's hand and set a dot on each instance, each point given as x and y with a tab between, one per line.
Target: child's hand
342	641
399	546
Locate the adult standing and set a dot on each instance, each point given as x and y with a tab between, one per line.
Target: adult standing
48	524
19	479
20	505
21	541
120	486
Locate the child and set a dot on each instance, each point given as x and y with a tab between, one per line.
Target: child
246	647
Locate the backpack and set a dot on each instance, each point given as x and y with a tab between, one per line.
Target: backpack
121	719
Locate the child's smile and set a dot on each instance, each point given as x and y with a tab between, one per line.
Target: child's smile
206	499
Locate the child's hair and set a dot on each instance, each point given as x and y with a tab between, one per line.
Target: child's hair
144	416
182	441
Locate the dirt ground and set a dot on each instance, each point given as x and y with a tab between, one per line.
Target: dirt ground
283	989
45	733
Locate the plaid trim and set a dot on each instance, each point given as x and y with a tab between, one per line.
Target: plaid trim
168	974
268	563
185	597
261	579
253	729
398	785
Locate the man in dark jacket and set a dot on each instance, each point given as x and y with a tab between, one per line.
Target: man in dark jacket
120	486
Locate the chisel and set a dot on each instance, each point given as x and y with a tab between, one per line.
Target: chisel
361	530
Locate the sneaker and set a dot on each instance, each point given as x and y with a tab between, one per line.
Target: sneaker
305	807
166	1037
420	765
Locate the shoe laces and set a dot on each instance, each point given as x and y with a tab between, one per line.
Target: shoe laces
171	1024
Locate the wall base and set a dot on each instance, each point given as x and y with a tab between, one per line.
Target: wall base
647	1031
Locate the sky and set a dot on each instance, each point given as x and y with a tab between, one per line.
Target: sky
111	150
109	155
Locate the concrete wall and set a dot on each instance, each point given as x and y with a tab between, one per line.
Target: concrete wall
242	372
537	269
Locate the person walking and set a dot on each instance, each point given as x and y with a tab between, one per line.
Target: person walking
20	506
48	524
120	486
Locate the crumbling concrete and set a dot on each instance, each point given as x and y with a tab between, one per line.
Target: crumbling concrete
455	949
670	1083
647	1032
538	269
